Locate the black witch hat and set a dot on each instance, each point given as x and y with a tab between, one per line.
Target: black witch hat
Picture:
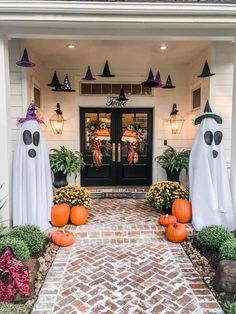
106	71
168	83
122	96
206	71
66	87
55	81
208	114
150	82
89	75
24	62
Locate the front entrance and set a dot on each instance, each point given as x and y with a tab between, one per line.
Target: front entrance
117	146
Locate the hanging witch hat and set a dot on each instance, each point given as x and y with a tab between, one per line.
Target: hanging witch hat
30	115
89	75
206	71
106	71
55	81
208	114
66	87
24	62
158	80
168	83
150	82
122	96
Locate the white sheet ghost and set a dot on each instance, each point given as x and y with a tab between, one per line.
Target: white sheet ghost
32	185
209	183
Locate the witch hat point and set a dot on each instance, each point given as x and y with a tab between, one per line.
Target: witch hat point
207	107
206	72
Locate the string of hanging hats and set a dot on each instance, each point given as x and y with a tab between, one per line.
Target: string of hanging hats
157	83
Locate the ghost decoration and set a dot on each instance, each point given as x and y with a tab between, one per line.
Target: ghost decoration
32	185
209	183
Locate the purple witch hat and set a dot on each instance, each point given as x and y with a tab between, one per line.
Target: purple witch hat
30	115
158	80
89	75
24	62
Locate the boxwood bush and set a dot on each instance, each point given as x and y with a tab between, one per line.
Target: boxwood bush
19	248
228	250
212	237
33	237
11	308
230	307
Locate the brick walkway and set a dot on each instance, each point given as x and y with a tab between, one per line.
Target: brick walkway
121	264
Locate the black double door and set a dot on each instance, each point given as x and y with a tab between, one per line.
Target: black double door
117	146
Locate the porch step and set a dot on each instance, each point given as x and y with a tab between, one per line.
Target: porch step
118	192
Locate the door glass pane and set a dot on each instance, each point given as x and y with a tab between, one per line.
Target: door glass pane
141	119
106	119
90	117
127	119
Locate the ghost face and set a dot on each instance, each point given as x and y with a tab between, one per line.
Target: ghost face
211	138
31	138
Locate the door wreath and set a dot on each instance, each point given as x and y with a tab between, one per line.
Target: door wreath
99	141
133	137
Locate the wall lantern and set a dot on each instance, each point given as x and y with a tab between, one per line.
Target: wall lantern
176	120
57	121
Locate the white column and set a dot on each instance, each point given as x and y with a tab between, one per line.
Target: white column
233	137
4	128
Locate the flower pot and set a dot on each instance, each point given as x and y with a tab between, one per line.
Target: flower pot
172	175
60	179
167	210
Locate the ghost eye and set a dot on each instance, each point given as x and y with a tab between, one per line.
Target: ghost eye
36	137
208	137
27	137
218	135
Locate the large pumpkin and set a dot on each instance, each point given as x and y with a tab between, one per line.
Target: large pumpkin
182	210
63	238
78	215
60	215
176	232
165	220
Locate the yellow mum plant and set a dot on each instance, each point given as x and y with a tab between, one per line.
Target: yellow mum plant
73	196
161	195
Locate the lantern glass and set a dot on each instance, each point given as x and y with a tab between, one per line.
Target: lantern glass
57	123
176	123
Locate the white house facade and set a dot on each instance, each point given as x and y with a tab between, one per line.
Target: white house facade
129	35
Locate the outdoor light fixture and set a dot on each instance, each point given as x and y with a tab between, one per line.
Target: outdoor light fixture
57	121
70	46
176	120
163	47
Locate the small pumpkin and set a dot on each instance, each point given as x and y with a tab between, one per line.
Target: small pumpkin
165	220
60	215
182	210
63	238
78	215
176	232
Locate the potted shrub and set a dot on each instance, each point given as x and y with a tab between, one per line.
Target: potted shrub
173	162
65	162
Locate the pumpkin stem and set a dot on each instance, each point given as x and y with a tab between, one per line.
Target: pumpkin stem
167	215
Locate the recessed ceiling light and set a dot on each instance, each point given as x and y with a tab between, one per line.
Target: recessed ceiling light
70	46
163	47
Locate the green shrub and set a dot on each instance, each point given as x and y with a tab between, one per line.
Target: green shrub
31	235
229	307
73	195
19	248
228	250
212	237
11	308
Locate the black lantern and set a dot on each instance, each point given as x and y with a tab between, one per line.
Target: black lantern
176	120
57	121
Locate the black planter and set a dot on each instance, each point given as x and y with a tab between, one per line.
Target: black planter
172	175
167	211
60	179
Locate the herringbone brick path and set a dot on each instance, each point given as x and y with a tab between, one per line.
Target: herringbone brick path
121	264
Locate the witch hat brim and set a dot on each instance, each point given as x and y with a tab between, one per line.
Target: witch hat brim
122	96
206	71
89	75
150	82
208	114
55	81
106	71
24	62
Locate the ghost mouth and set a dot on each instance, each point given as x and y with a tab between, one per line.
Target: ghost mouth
214	153
32	153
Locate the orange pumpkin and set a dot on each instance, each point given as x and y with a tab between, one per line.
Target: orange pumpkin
63	238
182	210
165	220
60	215
78	215
176	232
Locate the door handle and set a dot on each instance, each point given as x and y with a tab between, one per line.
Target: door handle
119	152
113	152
